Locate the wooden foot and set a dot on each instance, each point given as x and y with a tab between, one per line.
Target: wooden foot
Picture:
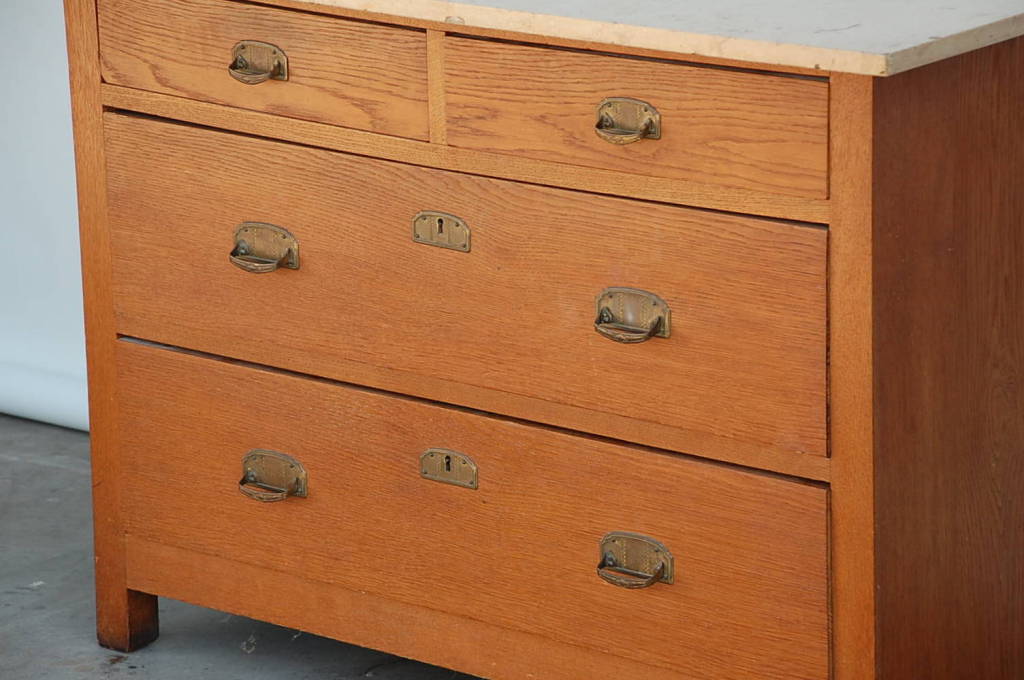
126	621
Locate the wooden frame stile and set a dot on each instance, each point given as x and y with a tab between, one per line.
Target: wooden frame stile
126	619
435	88
851	414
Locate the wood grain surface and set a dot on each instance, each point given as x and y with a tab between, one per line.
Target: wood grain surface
438	155
744	367
435	87
756	131
125	619
339	73
851	381
327	609
750	599
949	367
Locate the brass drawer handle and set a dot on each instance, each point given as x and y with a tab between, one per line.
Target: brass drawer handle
622	120
606	570
261	248
259	493
254	62
631	315
634	561
269	476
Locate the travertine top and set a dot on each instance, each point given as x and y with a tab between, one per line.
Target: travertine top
873	37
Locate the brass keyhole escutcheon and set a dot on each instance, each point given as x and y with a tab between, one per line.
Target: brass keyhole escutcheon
444	230
450	467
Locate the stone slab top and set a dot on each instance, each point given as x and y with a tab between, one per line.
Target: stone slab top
870	37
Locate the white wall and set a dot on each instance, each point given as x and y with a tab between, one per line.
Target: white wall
42	355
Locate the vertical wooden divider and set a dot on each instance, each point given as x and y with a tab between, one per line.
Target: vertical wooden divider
125	619
435	87
851	413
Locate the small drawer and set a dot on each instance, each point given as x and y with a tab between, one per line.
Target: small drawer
757	131
522	308
347	73
521	550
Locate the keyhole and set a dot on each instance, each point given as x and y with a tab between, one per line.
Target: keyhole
447	463
440	225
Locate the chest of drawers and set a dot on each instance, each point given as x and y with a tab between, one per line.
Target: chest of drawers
547	347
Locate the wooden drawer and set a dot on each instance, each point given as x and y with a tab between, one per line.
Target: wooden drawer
750	593
742	373
758	131
352	74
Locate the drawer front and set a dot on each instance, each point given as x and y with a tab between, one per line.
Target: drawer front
352	74
762	132
744	364
749	598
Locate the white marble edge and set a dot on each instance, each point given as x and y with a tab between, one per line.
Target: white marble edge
951	46
783	54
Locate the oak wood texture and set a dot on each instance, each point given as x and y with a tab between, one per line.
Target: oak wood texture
851	385
752	130
742	372
125	619
435	87
466	160
750	599
948	301
429	635
338	72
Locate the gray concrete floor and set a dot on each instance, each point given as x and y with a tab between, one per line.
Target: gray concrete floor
46	597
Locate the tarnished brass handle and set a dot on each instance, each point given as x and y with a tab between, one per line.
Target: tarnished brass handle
634	561
270	476
241	71
254	62
255	264
261	248
261	493
624	579
632	315
606	326
607	131
622	120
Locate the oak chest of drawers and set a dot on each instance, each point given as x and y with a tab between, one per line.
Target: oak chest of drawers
537	349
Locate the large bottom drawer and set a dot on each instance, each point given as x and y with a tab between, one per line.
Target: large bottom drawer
520	551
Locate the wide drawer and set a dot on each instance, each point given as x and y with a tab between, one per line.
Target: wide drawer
348	73
756	131
508	326
749	598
